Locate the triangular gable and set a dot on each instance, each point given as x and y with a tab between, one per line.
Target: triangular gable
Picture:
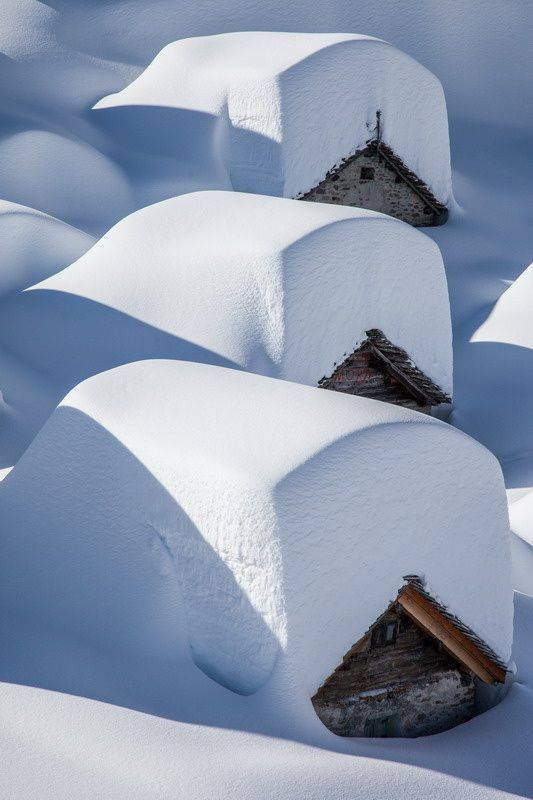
464	646
375	177
408	385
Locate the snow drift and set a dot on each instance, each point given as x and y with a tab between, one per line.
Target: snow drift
521	519
34	245
500	382
276	111
270	285
262	523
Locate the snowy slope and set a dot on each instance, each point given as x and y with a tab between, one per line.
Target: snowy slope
58	60
521	519
54	744
280	109
501	378
236	503
34	245
201	277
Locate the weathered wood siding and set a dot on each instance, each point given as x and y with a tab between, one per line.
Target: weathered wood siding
412	682
362	375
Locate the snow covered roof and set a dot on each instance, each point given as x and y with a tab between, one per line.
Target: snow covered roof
278	110
261	283
260	523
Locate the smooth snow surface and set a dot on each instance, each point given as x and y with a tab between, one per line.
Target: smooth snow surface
34	245
201	277
273	508
501	375
276	111
521	518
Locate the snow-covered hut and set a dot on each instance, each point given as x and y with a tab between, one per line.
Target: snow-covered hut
339	118
299	291
171	514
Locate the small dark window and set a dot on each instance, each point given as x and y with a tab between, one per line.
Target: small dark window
384	634
398	179
404	623
390	632
367	173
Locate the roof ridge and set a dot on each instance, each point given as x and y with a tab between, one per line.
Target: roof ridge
378	147
419	584
401	358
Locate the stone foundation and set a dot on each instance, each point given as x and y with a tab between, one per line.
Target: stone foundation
415	708
396	681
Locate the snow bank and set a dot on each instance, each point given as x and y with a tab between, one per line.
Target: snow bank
510	319
521	519
449	37
270	285
63	177
498	381
55	746
280	109
261	523
34	245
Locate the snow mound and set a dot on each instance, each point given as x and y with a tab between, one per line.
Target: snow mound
510	318
66	178
500	382
521	519
266	284
34	245
278	110
263	523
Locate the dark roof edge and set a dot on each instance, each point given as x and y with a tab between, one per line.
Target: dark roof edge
401	359
373	146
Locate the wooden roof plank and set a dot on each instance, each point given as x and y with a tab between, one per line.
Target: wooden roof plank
400	375
423	613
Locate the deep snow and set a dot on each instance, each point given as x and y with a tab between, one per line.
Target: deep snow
278	110
200	277
34	245
256	496
57	60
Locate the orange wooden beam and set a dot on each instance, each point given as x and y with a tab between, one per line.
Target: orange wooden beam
430	619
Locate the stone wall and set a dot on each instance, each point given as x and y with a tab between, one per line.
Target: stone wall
409	687
410	709
351	185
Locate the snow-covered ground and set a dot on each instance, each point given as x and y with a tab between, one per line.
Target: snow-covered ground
67	175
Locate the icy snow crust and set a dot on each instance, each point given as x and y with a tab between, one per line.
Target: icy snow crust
275	520
275	111
270	285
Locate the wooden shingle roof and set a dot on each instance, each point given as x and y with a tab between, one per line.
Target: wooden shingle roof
401	360
397	362
456	637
